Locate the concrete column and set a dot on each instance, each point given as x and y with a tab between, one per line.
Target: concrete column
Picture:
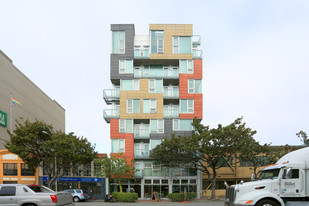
170	182
199	184
107	185
142	189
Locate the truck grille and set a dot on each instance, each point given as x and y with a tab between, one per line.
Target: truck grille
230	194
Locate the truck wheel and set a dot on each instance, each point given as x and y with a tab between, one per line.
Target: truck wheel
76	199
266	203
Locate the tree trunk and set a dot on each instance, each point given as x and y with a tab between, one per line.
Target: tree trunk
213	187
120	186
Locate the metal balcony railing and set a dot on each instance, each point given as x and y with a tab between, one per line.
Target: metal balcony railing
111	95
141	134
171	94
141	53
197	54
170	114
196	40
156	73
141	153
110	114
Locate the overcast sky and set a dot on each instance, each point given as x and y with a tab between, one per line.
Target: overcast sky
255	58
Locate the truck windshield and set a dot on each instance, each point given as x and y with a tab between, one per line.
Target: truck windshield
269	174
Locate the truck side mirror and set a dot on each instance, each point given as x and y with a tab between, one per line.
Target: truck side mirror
288	173
252	177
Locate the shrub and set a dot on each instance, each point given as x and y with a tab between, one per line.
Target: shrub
125	196
178	197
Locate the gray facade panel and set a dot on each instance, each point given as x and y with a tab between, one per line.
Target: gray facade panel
35	104
129	50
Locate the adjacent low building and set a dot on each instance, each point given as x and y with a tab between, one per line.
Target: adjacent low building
20	97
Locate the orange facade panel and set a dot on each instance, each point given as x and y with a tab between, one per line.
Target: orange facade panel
129	140
184	93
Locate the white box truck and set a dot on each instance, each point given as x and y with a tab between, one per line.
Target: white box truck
285	183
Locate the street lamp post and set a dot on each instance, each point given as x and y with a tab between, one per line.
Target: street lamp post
55	171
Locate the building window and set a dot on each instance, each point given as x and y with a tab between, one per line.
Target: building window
125	66
97	169
129	85
157	126
186	66
118	145
154	143
125	125
67	169
149	106
182	44
194	86
187	106
155	85
87	170
157	42
10	169
225	162
77	170
25	171
182	125
133	106
118	45
171	111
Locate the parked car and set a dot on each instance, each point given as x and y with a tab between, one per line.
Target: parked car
78	194
18	195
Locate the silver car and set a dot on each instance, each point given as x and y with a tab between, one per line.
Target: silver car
78	194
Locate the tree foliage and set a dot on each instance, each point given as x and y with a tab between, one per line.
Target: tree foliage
303	137
116	167
207	149
256	155
38	145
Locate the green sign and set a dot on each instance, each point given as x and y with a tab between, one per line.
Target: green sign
3	119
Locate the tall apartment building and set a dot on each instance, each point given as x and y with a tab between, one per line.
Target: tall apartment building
157	92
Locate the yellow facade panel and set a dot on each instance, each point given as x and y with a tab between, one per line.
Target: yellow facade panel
143	93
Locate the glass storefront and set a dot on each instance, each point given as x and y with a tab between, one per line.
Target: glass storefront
95	186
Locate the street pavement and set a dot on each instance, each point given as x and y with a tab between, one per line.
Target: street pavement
161	203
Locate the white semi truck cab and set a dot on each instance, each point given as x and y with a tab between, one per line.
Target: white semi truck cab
285	183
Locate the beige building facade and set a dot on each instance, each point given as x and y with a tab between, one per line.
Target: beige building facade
35	104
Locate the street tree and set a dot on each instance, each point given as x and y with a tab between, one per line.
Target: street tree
116	168
207	149
255	154
38	145
303	137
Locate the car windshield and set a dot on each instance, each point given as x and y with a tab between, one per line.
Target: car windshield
269	174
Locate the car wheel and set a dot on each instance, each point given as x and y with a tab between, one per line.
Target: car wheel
76	199
266	203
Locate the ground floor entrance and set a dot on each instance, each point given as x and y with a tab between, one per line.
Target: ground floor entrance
145	187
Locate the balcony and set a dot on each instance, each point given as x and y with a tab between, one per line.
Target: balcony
196	40
197	54
110	114
141	53
170	114
171	93
141	134
141	153
111	95
156	73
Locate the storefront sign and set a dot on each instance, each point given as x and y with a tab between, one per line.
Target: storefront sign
76	179
3	119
